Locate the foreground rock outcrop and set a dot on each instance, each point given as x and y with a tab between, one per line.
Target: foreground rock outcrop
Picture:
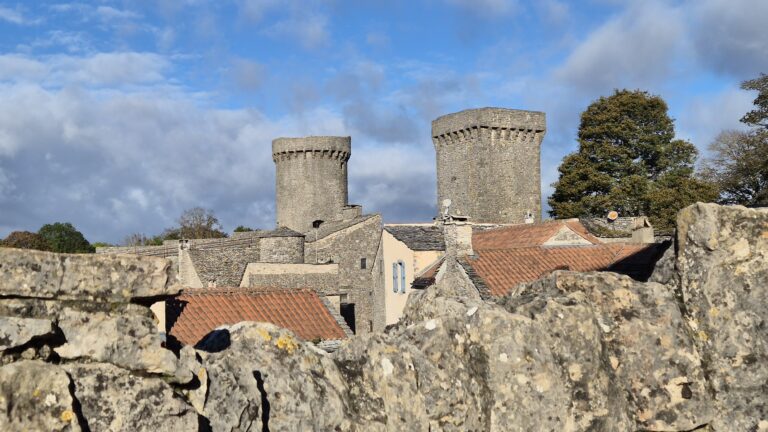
570	352
80	346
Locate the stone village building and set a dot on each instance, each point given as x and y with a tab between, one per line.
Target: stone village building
488	177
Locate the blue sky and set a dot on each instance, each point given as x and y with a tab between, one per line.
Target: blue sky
118	115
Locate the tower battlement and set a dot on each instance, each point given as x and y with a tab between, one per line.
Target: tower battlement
502	120
316	146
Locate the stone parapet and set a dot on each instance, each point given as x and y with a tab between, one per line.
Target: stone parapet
313	146
501	120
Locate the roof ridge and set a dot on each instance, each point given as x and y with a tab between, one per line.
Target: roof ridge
244	290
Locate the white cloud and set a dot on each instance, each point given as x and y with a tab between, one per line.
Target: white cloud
21	68
247	75
11	16
165	38
303	21
634	49
101	69
554	11
73	42
731	36
488	8
310	30
256	9
706	116
115	68
377	39
108	13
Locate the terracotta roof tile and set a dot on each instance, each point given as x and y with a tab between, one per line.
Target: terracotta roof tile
527	235
502	269
427	276
197	312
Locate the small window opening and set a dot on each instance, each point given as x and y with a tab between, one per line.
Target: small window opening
401	264
363	263
394	277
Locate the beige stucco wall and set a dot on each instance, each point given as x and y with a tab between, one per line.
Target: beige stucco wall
423	259
393	250
280	268
158	308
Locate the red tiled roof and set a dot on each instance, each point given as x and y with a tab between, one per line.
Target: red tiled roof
195	313
427	276
527	235
501	270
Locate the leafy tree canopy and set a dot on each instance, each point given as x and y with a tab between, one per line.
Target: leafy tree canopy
241	228
64	238
759	115
738	161
25	240
629	161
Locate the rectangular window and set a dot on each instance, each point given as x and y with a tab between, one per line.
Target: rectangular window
363	263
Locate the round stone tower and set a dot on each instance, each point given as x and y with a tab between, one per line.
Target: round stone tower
311	179
489	164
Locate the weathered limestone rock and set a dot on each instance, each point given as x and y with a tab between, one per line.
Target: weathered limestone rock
722	262
129	340
664	272
123	334
643	344
267	379
15	332
512	370
103	278
35	396
114	399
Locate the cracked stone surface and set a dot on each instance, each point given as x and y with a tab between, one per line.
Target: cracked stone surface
114	399
35	396
15	331
102	278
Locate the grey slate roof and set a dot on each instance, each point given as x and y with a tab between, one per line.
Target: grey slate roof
419	237
330	227
225	266
281	232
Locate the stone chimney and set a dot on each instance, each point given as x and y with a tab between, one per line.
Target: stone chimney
458	238
642	230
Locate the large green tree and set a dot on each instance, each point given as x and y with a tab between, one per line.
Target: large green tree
25	240
628	160
738	161
65	238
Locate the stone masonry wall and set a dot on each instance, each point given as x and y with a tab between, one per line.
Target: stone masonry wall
346	248
223	267
80	349
311	179
282	249
488	163
324	283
